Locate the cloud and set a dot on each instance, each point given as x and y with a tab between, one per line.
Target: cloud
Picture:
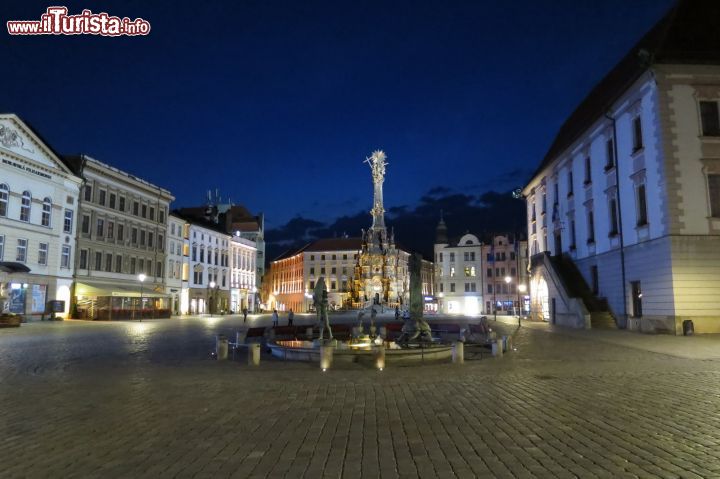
414	227
438	190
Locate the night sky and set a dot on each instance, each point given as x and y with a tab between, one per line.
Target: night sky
277	104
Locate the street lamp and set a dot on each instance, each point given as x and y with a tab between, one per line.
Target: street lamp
521	289
141	278
210	308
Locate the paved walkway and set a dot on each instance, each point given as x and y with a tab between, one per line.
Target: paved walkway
144	400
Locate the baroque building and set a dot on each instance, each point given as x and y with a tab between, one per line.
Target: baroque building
623	213
38	217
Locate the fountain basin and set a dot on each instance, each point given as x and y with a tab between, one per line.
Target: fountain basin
346	353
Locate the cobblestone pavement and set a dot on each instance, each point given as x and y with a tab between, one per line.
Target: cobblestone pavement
144	400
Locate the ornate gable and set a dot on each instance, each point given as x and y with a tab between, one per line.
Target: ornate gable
17	139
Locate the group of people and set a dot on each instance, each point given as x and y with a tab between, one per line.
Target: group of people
276	318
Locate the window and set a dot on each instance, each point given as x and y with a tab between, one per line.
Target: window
489	272
344	256
194	252
88	193
136	208
334	257
4	199
100	227
144	211
442	289
489	288
25	206
101	197
312	284
452	287
65	257
134	236
110	229
161	216
151	239
98	261
637	134
108	262
132	265
142	237
512	256
641	206
118	264
452	271
112	200
202	254
612	207
161	243
513	272
333	285
46	211
610	153
472	256
590	227
710	118
43	254
141	265
312	257
152	213
441	257
159	270
312	270
322	270
121	203
570	183
466	256
588	171
333	270
572	234
21	254
452	257
467	287
322	257
120	232
86	224
83	259
714	193
68	222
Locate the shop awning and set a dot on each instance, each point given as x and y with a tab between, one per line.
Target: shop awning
13	267
100	289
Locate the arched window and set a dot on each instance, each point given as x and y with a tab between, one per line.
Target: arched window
25	206
47	209
4	199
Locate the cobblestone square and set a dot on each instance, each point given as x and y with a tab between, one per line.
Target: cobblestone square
144	399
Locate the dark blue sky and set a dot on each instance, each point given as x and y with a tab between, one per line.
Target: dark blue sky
278	103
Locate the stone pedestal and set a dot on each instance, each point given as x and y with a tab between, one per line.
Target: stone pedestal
221	346
326	357
458	353
379	356
254	355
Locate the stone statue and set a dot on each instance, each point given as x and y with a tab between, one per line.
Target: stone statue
320	301
415	329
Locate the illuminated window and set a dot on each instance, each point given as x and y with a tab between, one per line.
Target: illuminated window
452	271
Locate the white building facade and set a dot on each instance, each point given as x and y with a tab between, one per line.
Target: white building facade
177	271
243	274
209	269
38	218
627	200
458	276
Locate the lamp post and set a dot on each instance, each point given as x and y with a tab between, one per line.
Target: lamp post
141	278
521	289
211	296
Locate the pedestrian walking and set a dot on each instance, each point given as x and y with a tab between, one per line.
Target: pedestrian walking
275	318
291	316
245	311
397	313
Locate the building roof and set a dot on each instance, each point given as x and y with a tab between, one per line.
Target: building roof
325	244
199	221
687	34
78	163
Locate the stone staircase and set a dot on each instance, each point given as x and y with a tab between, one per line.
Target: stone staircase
600	315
